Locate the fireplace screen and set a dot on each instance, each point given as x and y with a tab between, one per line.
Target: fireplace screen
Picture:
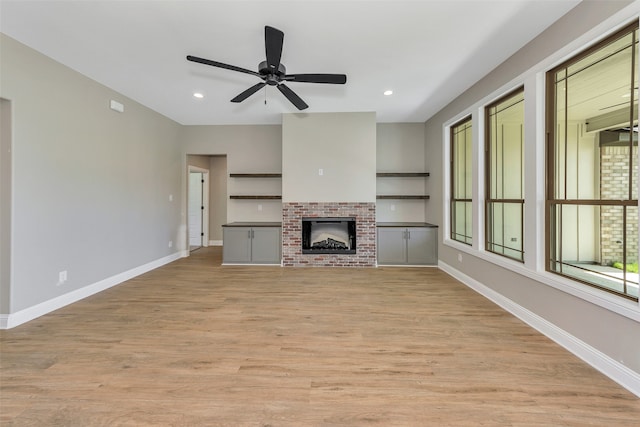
328	235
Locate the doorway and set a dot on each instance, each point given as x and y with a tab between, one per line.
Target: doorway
197	207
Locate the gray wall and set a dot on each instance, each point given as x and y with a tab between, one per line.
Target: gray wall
341	145
91	187
217	196
5	205
248	149
615	335
258	148
400	148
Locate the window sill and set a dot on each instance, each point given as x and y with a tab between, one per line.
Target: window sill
613	303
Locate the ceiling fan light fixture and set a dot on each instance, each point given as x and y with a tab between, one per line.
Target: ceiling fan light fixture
388	92
198	95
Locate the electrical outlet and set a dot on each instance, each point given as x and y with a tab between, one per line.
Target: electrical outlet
459	257
320	172
170	243
259	208
393	208
62	277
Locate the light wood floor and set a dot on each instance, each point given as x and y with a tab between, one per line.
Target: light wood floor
197	344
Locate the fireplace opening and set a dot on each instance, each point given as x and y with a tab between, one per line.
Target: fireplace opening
329	235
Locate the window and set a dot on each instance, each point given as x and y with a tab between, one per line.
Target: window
504	160
592	200
461	188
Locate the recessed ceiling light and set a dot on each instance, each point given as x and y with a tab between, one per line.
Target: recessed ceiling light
198	95
388	92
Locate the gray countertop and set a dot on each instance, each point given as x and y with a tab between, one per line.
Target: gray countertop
379	224
406	224
253	224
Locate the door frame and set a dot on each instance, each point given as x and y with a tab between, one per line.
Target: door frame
205	204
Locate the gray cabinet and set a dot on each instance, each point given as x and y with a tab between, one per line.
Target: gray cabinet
251	245
407	245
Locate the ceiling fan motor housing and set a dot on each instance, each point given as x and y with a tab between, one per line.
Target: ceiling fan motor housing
271	77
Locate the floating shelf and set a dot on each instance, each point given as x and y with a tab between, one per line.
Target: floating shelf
255	175
256	197
402	174
402	197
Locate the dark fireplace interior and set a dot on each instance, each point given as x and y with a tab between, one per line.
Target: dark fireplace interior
329	235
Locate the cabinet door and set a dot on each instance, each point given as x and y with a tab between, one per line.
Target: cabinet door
392	246
422	246
266	245
236	245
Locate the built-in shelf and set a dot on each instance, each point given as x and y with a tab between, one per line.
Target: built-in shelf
255	175
402	197
256	197
402	174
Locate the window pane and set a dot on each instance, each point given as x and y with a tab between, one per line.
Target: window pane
504	233
461	222
462	145
560	133
595	254
461	182
631	273
506	139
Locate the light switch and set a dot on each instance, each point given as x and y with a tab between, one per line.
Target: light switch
320	172
116	106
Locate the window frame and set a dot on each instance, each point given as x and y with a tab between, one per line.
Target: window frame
551	201
488	200
452	175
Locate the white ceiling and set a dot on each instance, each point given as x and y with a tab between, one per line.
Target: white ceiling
427	52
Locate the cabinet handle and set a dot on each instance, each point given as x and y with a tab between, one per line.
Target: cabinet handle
249	234
408	235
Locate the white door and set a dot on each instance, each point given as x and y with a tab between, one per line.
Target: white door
195	209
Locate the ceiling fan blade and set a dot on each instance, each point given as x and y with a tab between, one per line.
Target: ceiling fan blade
247	93
291	96
221	65
273	40
337	79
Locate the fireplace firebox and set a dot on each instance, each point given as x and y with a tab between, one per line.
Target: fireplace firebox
329	235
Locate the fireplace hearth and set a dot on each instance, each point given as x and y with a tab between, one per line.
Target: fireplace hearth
329	235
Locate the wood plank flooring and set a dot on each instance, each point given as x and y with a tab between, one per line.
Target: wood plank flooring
197	344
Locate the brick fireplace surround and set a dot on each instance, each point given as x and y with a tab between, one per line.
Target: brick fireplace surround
365	214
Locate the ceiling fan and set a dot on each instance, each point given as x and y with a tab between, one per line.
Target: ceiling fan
273	73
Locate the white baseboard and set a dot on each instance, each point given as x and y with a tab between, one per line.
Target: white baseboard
12	320
613	369
215	242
